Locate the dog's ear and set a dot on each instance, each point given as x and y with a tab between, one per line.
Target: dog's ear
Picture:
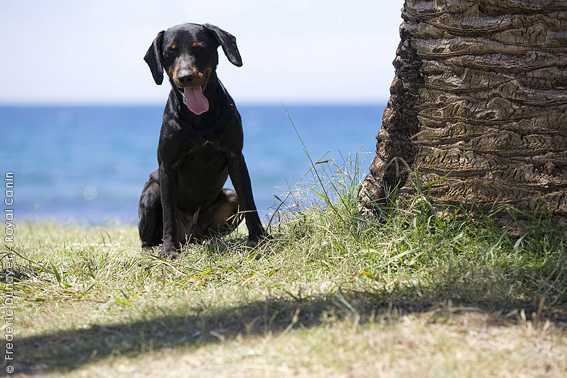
228	43
154	58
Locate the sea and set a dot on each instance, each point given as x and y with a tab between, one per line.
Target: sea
89	163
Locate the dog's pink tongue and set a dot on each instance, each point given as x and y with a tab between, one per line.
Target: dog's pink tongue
196	101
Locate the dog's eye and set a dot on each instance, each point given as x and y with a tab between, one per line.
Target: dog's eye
172	50
197	46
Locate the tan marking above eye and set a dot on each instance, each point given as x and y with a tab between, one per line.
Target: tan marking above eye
173	47
194	44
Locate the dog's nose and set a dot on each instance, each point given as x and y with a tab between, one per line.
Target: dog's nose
185	77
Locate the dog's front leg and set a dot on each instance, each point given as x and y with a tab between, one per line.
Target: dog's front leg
170	232
241	180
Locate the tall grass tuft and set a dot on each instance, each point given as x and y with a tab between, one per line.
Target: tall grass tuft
419	253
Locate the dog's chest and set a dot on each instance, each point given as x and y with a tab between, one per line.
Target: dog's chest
202	155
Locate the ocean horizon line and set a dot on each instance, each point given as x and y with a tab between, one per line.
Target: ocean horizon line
302	104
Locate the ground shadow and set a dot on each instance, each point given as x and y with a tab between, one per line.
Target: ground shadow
68	350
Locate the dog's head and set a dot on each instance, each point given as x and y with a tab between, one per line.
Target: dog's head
188	54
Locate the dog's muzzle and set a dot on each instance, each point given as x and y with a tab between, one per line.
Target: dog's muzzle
194	95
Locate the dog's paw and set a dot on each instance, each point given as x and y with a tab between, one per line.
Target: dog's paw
169	254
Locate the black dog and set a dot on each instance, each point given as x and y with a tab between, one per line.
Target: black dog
200	144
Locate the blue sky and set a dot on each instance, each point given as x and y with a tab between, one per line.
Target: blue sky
296	51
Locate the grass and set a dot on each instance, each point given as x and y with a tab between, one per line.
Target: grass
426	291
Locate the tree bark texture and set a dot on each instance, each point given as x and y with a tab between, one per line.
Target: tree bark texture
480	95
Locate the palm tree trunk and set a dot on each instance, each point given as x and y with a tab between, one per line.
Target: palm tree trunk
480	95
